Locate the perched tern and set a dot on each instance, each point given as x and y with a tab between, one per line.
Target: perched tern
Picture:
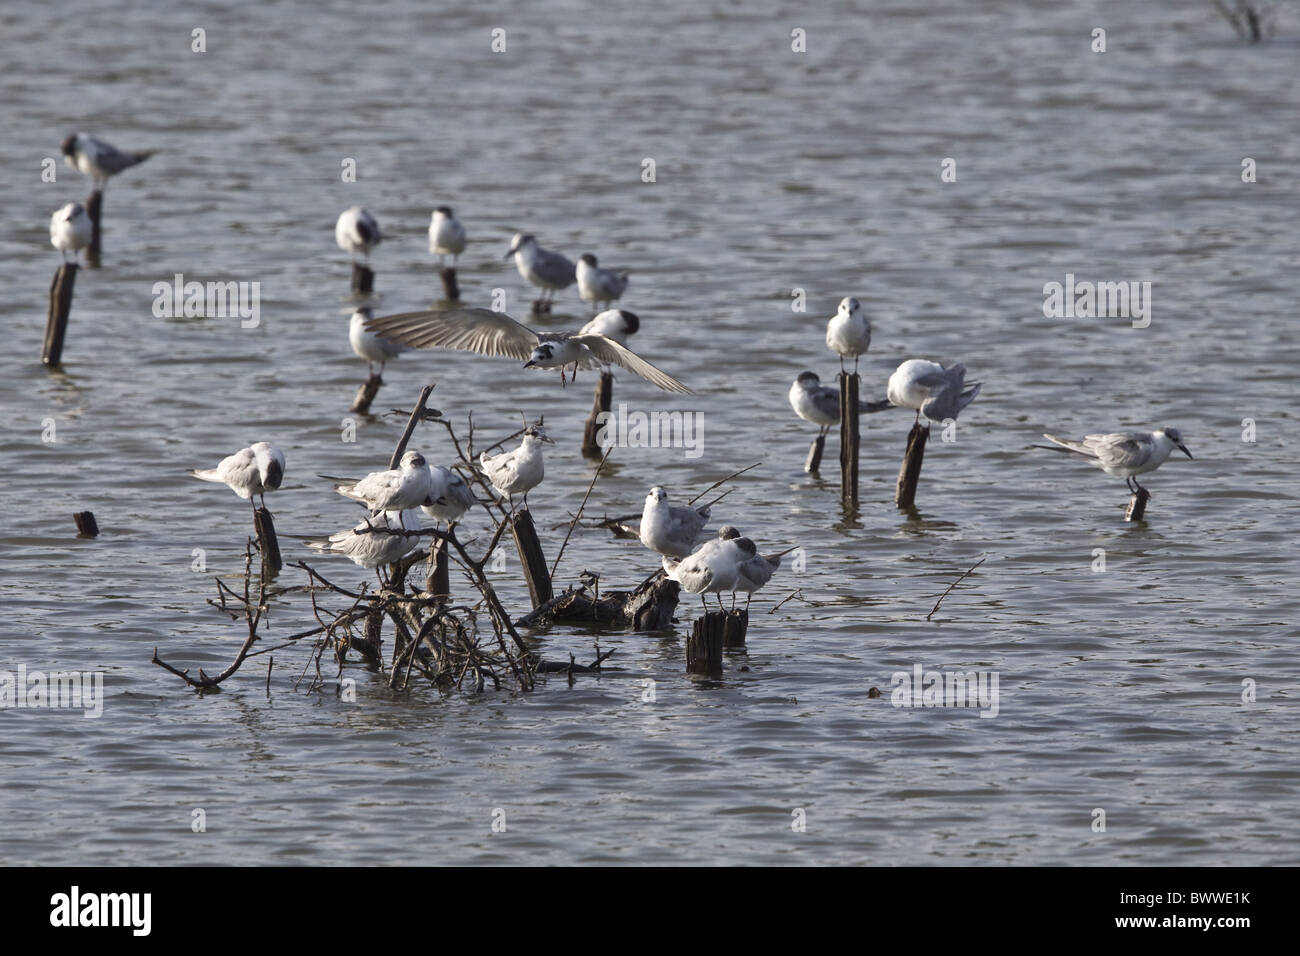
596	285
369	346
848	332
495	333
377	540
71	229
519	471
755	569
936	392
99	160
254	470
446	235
820	404
1125	454
398	489
547	270
672	530
357	231
712	569
449	497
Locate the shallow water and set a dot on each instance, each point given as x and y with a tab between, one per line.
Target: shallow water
1119	690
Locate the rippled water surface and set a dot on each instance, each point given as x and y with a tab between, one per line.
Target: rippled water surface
1120	690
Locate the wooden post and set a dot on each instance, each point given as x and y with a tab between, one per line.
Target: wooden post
735	628
813	463
450	289
604	399
86	526
94	207
363	278
910	471
1137	505
849	437
531	557
366	394
704	646
541	307
266	540
56	319
438	581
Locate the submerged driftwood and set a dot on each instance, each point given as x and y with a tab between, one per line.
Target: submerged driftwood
649	607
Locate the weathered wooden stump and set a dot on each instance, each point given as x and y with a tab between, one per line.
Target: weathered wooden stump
704	646
603	401
531	558
86	525
541	307
849	436
266	540
94	207
450	288
438	580
909	473
735	629
363	279
813	463
1137	505
366	394
56	320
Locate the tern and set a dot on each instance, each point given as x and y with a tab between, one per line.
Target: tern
71	229
496	334
672	530
449	497
596	285
377	540
357	231
1125	454
446	235
936	392
398	489
848	332
547	270
820	404
519	471
369	346
99	160
254	470
712	569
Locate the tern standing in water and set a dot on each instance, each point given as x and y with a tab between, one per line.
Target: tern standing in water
547	270
597	285
254	470
1125	454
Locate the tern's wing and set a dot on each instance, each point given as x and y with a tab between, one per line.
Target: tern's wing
827	400
469	330
1120	450
1069	444
610	352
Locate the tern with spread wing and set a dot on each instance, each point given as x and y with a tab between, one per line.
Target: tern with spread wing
496	334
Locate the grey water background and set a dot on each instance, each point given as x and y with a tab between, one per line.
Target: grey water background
775	170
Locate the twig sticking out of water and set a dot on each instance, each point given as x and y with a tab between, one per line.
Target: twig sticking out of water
953	585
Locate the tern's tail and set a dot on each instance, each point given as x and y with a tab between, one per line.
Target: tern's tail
878	406
1067	445
139	156
207	474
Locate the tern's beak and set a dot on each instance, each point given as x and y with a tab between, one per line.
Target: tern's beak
1184	450
529	364
510	253
546	438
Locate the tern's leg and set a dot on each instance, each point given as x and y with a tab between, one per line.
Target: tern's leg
747	600
379	577
704	604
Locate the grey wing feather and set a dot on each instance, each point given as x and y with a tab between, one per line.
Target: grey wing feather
827	401
468	330
555	268
611	353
